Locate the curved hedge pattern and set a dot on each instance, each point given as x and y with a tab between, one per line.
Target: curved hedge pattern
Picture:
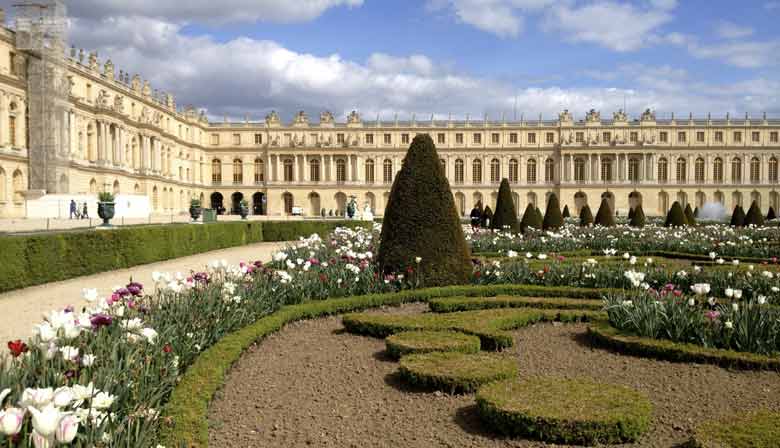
760	429
453	304
456	372
415	342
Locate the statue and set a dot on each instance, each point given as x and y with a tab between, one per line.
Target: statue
353	118
565	116
351	207
81	56
301	118
93	61
73	52
147	90
102	100
326	117
119	105
620	116
593	116
169	101
272	118
108	69
368	214
136	84
647	115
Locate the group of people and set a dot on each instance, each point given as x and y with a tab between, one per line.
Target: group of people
74	210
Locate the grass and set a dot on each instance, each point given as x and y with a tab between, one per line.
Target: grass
557	410
456	372
413	342
759	429
452	304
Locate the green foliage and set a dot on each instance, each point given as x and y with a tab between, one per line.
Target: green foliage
505	215
566	213
757	429
676	216
631	213
605	216
195	203
638	218
105	196
456	372
770	215
454	304
586	217
754	216
696	212
539	217
421	221
565	411
738	217
416	342
530	219
690	219
487	217
552	216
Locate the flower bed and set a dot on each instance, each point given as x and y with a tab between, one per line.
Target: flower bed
456	372
416	342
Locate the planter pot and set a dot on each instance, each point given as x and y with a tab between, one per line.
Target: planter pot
195	213
244	212
106	212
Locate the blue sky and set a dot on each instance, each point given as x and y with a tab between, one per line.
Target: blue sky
387	57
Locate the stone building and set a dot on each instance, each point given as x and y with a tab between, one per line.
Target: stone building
122	136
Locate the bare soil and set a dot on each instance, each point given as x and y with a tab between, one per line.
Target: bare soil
315	385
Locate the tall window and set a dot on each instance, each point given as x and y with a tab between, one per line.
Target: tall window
12	130
756	136
238	172
663	170
513	138
494	138
579	137
606	137
549	170
531	171
370	171
532	138
773	137
289	174
477	138
495	171
755	170
700	136
440	138
550	137
314	170
736	170
387	171
476	171
579	170
405	139
699	170
719	136
681	137
737	137
258	139
459	171
341	170
388	139
717	170
633	137
369	139
773	169
288	203
259	171
606	170
459	138
682	170
633	170
663	137
443	166
237	139
514	171
216	172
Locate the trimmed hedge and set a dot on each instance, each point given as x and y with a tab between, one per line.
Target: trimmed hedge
30	260
553	218
455	372
565	411
605	216
604	335
416	342
505	215
586	217
757	429
450	305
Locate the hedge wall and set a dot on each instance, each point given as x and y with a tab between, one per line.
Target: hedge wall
42	258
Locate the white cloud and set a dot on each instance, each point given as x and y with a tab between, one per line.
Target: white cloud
729	30
500	17
749	54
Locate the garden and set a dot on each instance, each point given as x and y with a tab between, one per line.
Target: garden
424	332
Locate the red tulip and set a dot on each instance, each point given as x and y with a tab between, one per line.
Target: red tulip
17	347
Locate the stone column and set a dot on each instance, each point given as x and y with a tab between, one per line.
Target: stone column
4	137
361	169
597	177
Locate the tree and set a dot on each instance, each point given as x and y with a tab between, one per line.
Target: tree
506	214
605	217
487	216
689	218
676	216
638	217
770	215
530	219
586	217
566	213
754	216
738	217
552	216
421	221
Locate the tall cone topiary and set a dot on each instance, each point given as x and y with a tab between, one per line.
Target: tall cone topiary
566	213
605	217
638	217
738	217
676	216
421	221
487	216
696	212
505	215
530	219
586	217
689	218
552	216
770	215
539	217
630	213
754	216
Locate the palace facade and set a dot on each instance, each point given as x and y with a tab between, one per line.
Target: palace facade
122	136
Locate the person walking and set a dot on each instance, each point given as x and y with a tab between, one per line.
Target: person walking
476	217
73	209
85	213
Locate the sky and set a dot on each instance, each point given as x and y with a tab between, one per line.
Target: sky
387	58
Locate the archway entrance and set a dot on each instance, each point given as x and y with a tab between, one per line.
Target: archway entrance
235	201
258	204
217	203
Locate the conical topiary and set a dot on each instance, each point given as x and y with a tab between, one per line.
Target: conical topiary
421	220
638	217
605	217
696	212
565	212
770	215
530	219
630	213
676	216
754	216
553	218
487	216
539	216
505	216
738	217
689	218
586	217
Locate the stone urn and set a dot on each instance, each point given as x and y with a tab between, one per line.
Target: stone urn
243	210
106	212
195	211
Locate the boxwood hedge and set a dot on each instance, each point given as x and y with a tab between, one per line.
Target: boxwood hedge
455	372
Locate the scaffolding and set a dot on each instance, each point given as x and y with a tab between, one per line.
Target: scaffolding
41	32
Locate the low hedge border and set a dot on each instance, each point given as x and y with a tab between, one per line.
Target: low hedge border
604	335
543	291
564	411
449	305
416	342
757	429
455	372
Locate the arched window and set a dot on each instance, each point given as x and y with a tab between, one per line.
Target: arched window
699	170
443	166
259	171
606	170
459	171
369	171
755	170
341	170
288	170
476	171
387	171
663	171
155	199
633	170
717	170
663	202
93	186
773	169
216	172
495	171
682	170
579	170
12	125
314	170
549	170
514	171
288	203
736	170
238	172
530	174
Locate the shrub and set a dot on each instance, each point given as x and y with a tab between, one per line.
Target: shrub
530	219
421	221
638	219
586	217
487	216
415	342
456	372
566	213
738	217
454	304
676	216
605	217
565	411
689	218
539	217
552	216
105	196
630	213
696	212
770	215
757	429
505	215
754	216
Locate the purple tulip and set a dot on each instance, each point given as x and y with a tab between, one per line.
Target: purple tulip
100	320
135	288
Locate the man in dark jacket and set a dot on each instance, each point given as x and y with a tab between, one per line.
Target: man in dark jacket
476	217
73	211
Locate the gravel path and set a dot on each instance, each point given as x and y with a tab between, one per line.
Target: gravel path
23	308
314	385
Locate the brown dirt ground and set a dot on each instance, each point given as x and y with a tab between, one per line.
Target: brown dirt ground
314	385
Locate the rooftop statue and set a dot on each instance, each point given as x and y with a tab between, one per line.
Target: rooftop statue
620	116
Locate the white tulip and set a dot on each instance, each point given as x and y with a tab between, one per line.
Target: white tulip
729	324
40	441
45	332
46	420
89	294
67	429
133	324
102	400
88	360
63	397
691	302
761	301
150	334
69	353
729	292
737	293
735	307
11	421
36	397
4	394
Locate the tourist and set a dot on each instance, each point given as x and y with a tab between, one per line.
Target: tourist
85	213
476	218
73	210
